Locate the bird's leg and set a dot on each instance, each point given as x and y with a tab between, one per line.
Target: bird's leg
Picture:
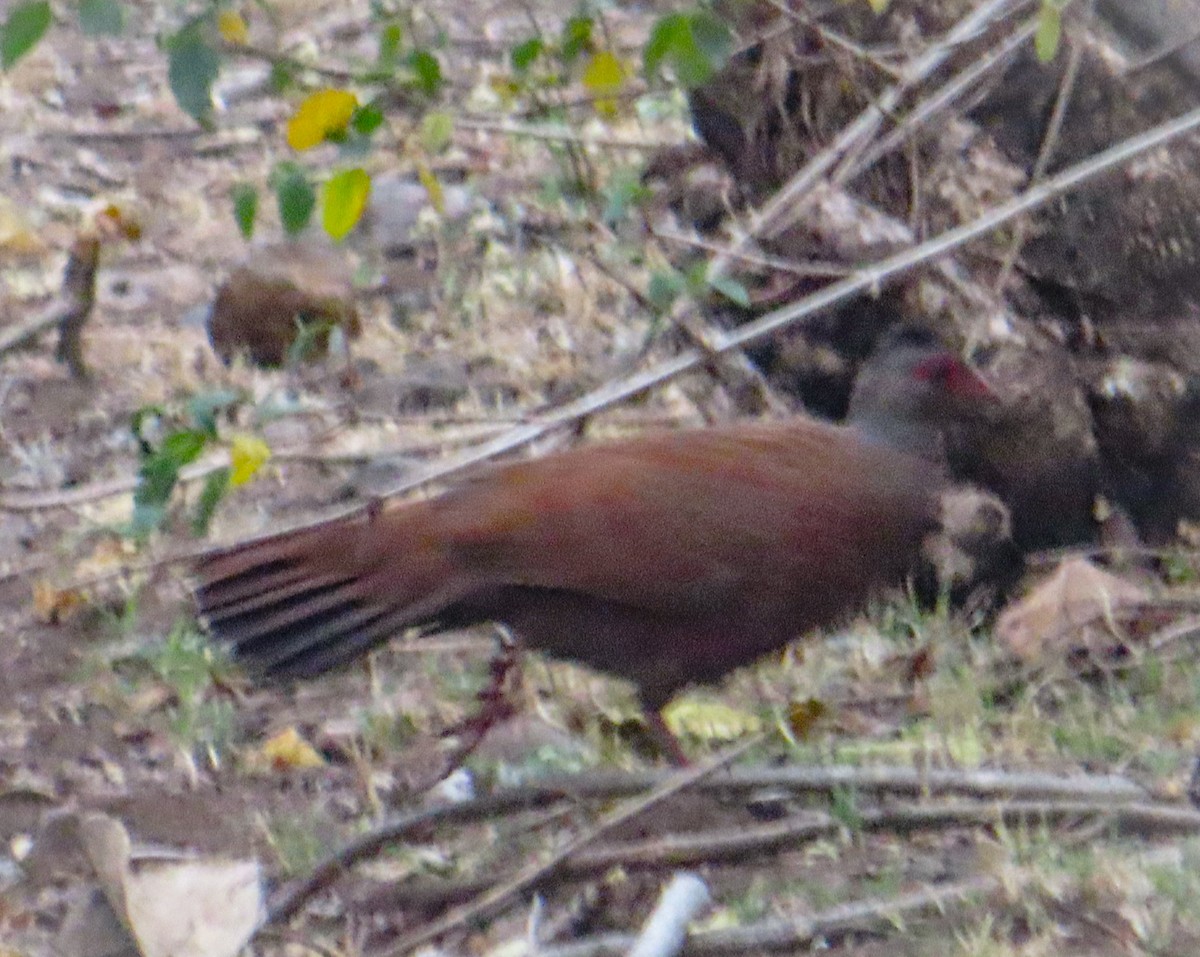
664	737
494	705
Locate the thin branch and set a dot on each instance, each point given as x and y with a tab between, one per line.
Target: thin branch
499	897
795	195
796	933
985	785
1058	115
931	106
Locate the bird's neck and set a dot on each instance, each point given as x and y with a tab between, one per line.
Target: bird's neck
913	436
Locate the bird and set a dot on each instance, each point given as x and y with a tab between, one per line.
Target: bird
259	311
667	559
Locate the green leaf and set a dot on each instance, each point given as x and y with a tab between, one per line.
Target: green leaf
1049	31
427	70
664	289
389	45
296	197
623	191
367	119
283	76
524	54
192	69
346	195
184	447
731	289
214	490
160	472
98	18
24	26
245	207
694	45
576	38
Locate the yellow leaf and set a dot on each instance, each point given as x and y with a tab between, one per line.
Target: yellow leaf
603	78
802	716
288	749
346	195
879	6
232	27
53	605
247	454
708	720
437	198
324	113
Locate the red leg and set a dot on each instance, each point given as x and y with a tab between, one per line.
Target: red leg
664	738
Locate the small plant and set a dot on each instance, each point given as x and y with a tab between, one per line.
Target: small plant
187	663
295	842
169	440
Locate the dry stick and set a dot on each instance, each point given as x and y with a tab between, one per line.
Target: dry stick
753	843
795	933
286	901
498	897
81	494
911	782
1058	115
1109	789
789	201
867	278
884	914
1182	630
555	134
928	108
69	310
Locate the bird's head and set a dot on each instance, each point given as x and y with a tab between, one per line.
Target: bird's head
912	389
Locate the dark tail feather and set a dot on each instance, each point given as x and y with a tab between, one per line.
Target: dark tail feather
299	605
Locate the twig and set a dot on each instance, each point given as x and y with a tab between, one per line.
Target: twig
929	107
753	843
1181	630
496	899
556	134
286	901
1058	115
868	278
795	933
1108	790
789	201
983	784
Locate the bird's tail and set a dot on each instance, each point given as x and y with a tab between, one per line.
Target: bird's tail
301	603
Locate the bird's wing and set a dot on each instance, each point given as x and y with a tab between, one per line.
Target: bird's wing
685	520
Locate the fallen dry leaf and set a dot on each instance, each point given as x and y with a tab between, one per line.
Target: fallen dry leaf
176	906
288	749
1077	606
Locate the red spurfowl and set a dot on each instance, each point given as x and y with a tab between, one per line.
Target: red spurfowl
665	559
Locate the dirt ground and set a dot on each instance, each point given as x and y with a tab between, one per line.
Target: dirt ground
111	702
